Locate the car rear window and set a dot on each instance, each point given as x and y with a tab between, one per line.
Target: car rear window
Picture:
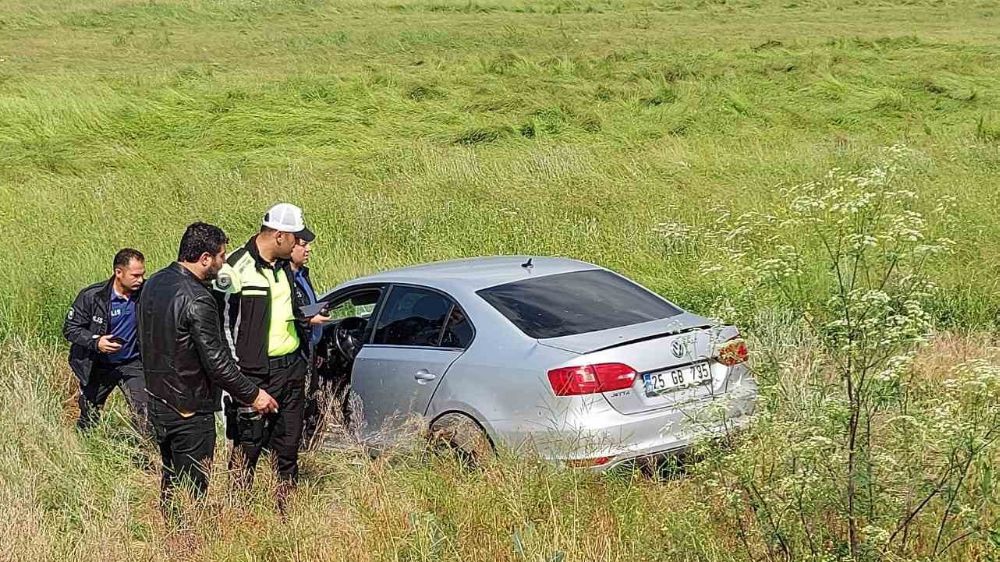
576	303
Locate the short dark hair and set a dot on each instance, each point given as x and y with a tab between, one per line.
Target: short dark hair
124	256
200	238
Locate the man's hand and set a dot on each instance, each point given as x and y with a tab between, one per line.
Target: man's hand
319	320
264	404
105	345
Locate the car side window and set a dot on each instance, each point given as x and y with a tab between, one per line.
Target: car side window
413	316
458	330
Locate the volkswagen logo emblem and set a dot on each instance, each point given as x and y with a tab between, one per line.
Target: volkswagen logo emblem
679	348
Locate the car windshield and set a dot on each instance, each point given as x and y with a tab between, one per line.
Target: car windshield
576	303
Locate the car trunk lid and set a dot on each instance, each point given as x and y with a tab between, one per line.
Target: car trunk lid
591	342
680	346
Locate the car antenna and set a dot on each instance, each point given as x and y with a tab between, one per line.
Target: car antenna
527	264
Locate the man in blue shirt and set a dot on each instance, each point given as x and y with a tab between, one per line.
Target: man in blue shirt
305	295
101	326
304	292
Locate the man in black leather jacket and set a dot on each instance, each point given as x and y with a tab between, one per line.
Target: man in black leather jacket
186	361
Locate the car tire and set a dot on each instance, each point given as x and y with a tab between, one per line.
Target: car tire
461	436
351	413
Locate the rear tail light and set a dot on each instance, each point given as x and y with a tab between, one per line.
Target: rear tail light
733	352
591	379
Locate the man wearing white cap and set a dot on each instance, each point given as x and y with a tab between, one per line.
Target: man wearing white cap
268	338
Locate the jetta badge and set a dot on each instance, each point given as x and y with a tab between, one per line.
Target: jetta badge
678	348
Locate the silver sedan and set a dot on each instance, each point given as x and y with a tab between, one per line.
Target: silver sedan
564	358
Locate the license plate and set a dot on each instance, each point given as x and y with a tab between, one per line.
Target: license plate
673	379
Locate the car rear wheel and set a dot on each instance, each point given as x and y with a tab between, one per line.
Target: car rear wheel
463	437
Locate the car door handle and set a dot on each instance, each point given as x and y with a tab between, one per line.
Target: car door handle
423	376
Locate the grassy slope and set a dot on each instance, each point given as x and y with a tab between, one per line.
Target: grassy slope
422	130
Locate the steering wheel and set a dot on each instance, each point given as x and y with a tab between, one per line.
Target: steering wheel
347	335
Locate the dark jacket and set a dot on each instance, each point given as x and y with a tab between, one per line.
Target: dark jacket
299	294
301	300
184	356
88	319
246	309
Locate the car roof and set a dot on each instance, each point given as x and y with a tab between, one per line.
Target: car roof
473	274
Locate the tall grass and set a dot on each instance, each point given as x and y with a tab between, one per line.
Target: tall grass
418	130
92	499
95	498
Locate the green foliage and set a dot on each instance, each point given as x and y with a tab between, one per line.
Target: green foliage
634	134
856	437
536	132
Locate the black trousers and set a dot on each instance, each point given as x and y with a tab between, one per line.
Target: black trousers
103	380
187	445
280	433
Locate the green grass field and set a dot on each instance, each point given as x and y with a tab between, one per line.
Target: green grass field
417	130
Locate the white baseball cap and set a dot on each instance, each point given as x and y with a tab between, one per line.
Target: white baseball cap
285	217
